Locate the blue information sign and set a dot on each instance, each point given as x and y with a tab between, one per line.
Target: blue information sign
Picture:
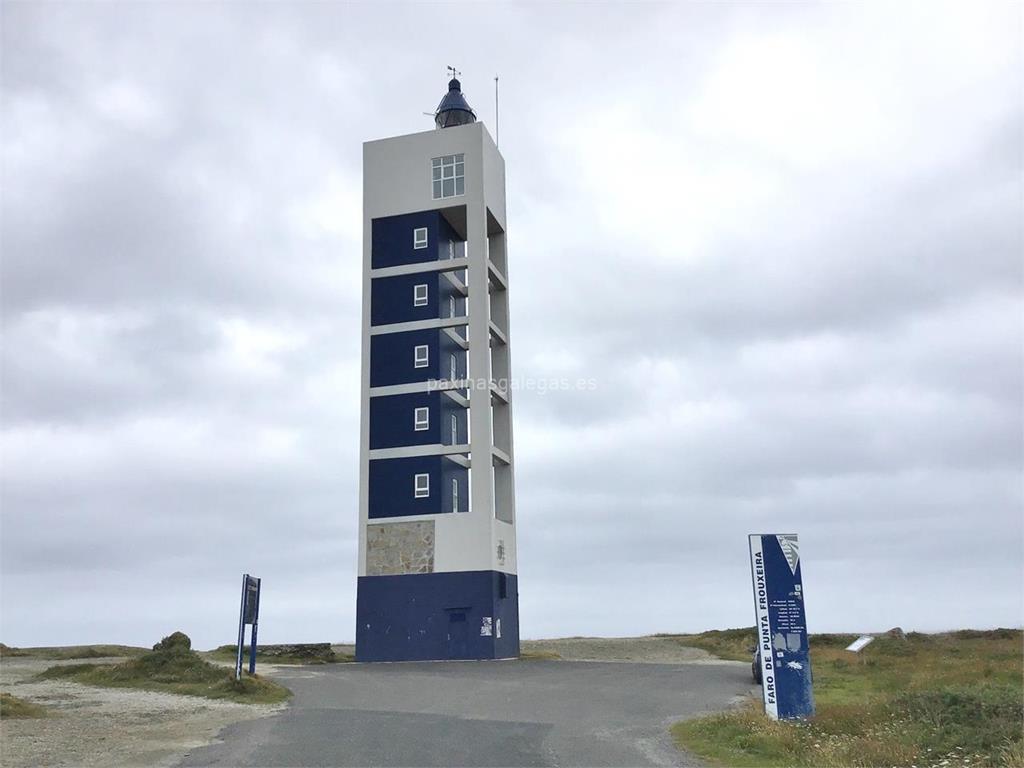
781	626
249	613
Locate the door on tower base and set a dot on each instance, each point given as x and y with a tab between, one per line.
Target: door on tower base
458	634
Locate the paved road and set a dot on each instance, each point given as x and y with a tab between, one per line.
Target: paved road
498	713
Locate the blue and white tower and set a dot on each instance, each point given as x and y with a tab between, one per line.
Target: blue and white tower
437	537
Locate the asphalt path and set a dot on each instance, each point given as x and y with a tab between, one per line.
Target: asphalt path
480	713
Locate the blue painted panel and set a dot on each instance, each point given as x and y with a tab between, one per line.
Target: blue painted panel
434	616
447	349
392	486
782	626
392	357
452	473
392	245
449	299
450	245
506	611
393	422
392	239
391	298
446	233
450	408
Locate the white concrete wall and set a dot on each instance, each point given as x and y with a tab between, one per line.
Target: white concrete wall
397	180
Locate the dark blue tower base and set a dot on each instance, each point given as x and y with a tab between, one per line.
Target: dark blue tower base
435	616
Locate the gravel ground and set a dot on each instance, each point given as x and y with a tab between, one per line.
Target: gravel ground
111	726
645	650
551	714
108	726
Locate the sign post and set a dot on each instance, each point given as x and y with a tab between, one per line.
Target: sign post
781	624
249	613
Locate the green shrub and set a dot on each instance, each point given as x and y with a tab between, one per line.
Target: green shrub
831	641
13	708
176	641
954	700
977	719
174	668
295	653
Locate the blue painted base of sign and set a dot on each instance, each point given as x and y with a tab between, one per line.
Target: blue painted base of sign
437	616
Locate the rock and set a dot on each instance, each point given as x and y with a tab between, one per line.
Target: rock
896	633
176	641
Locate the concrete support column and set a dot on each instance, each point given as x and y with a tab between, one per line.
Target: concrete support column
481	437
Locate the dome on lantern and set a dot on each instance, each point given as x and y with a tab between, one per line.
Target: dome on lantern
454	109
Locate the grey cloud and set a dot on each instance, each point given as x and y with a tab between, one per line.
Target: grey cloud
820	333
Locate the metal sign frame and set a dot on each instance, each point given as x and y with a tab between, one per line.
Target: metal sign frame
781	624
248	613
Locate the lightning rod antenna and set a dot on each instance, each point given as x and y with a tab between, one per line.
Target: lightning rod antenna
497	132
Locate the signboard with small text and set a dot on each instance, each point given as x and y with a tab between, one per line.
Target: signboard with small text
249	613
781	624
252	598
860	643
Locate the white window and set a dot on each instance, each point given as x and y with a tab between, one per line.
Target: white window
419	295
421	486
419	238
455	494
421	419
422	356
453	367
455	429
448	176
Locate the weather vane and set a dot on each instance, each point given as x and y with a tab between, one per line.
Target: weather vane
453	72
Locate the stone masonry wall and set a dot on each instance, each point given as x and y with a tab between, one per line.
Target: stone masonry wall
397	548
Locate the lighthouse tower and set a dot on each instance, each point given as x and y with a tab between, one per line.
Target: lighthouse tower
437	537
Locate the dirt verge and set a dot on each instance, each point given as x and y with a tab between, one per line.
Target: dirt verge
650	650
108	726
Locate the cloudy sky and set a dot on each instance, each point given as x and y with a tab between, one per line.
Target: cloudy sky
784	239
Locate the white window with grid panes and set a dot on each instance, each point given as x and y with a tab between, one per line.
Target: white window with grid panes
421	356
421	419
421	486
419	295
448	176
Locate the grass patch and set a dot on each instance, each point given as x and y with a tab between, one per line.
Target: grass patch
303	653
956	697
734	644
542	655
172	667
12	708
71	652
